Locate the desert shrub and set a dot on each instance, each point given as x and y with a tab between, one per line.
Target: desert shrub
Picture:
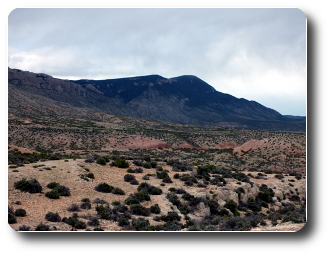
279	176
172	226
214	207
155	209
253	205
85	200
118	191
134	182
232	206
176	176
294	198
223	212
265	193
235	224
52	185
80	225
138	209
86	205
24	228
167	180
130	170
20	212
90	160
30	186
132	199
180	191
54	217
99	201
146	177
120	162
138	170
90	176
53	194
11	218
101	161
153	164
171	216
123	221
93	221
156	191
140	224
73	208
62	190
147	165
174	199
138	162
104	187
129	177
42	227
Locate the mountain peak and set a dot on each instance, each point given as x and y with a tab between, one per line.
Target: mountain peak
184	99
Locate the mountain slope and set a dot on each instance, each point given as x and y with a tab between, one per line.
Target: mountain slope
185	99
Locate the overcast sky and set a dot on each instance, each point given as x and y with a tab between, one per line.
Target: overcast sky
257	54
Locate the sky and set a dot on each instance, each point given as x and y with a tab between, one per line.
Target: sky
254	53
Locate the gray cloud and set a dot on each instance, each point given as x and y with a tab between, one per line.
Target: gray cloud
250	53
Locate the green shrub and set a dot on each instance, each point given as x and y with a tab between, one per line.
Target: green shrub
130	170
24	228
155	209
20	212
156	191
120	162
132	200
11	218
53	194
231	205
138	209
118	191
90	176
134	182
30	186
123	221
54	217
140	224
101	161
52	185
104	187
42	227
86	205
73	208
129	177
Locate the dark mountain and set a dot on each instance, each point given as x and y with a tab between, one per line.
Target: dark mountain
184	99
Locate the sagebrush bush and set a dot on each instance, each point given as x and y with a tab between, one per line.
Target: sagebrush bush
52	185
86	205
30	186
53	217
118	191
121	163
155	209
104	187
24	228
73	208
53	194
101	161
20	212
11	218
42	227
129	177
140	224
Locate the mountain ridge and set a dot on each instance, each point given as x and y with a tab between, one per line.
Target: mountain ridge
184	99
